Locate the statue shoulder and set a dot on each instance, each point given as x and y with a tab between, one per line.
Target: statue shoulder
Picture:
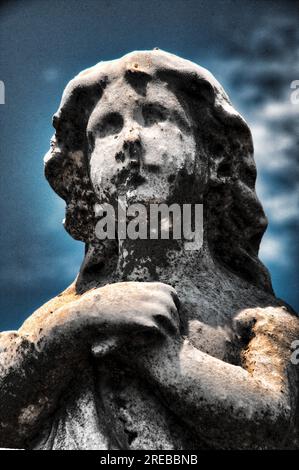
68	295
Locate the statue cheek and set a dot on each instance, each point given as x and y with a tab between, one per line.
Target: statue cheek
99	174
103	156
182	153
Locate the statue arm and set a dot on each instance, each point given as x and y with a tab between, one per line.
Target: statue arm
31	380
38	361
31	372
232	406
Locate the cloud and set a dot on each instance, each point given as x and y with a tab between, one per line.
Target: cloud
271	147
281	208
258	76
279	110
50	74
273	250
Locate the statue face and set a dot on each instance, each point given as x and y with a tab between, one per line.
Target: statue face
140	143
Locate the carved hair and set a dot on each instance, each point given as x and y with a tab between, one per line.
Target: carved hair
235	218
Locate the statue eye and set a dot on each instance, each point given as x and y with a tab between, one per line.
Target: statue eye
153	113
110	124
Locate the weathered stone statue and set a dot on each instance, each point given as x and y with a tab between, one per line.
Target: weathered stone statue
154	346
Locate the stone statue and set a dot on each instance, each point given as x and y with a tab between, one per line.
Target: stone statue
154	346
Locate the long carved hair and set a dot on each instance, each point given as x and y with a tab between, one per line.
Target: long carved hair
235	220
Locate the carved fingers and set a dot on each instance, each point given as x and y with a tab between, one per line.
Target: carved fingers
268	334
126	309
140	305
139	313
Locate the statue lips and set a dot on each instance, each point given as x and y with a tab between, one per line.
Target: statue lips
136	179
130	176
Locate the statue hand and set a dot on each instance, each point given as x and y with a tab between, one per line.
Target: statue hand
270	321
267	334
115	314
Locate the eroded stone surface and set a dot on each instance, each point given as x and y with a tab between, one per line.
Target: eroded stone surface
153	346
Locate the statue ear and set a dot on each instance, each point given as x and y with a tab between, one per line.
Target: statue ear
221	163
229	146
224	167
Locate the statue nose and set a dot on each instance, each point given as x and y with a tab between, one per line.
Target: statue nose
133	149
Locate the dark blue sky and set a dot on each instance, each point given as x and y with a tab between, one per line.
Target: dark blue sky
252	47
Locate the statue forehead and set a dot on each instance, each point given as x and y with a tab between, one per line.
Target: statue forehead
147	62
123	93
